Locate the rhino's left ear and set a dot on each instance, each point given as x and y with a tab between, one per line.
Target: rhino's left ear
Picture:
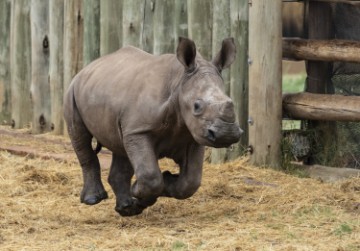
226	55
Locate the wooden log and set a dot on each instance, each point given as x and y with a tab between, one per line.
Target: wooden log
180	22
164	35
91	49
200	25
73	39
40	89
325	107
147	36
56	19
321	50
320	26
110	26
20	61
221	30
5	108
133	15
239	72
265	108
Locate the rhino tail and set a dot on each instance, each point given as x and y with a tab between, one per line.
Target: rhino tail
97	148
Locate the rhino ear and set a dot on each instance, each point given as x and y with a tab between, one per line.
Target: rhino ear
226	55
186	53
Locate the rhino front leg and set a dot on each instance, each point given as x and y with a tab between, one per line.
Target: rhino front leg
120	176
188	181
149	182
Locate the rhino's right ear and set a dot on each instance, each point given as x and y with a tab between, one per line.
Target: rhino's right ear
186	53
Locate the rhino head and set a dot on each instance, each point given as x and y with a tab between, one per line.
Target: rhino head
207	111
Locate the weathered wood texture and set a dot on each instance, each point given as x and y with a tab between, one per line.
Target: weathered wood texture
164	27
147	34
321	50
265	106
5	109
56	71
180	22
91	49
110	26
239	72
133	22
326	107
320	27
20	60
200	25
221	30
73	39
40	89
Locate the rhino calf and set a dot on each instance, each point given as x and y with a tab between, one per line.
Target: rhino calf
142	108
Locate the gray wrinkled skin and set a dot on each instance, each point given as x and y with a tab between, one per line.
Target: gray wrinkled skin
142	108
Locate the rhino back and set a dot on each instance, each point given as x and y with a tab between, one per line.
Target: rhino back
123	93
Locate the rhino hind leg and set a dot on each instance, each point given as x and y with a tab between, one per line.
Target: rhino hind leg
119	179
93	190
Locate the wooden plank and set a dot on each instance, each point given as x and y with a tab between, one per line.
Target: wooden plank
221	30
239	72
325	107
180	22
40	89
164	25
321	50
5	108
265	54
110	26
56	71
91	49
20	61
200	24
320	26
133	15
73	39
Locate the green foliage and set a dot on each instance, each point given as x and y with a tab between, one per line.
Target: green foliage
343	229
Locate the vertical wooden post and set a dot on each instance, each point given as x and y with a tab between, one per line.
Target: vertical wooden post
40	89
73	39
164	34
221	30
180	22
110	26
239	72
265	102
147	36
319	24
5	109
133	16
56	19
20	61
200	25
91	49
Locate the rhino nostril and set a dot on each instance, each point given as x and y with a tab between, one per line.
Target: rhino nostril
211	135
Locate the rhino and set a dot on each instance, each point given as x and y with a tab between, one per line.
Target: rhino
144	107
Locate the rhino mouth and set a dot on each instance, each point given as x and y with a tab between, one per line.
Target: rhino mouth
222	134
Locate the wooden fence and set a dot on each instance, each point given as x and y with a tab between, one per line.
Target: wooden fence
44	43
318	105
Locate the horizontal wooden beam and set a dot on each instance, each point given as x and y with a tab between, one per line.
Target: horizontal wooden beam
326	107
321	50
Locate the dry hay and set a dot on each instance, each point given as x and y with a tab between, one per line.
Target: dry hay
238	207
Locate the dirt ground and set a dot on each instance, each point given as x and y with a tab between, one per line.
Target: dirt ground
238	207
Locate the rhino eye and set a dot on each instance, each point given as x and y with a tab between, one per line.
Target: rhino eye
198	107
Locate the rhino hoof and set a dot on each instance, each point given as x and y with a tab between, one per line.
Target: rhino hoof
129	208
94	199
